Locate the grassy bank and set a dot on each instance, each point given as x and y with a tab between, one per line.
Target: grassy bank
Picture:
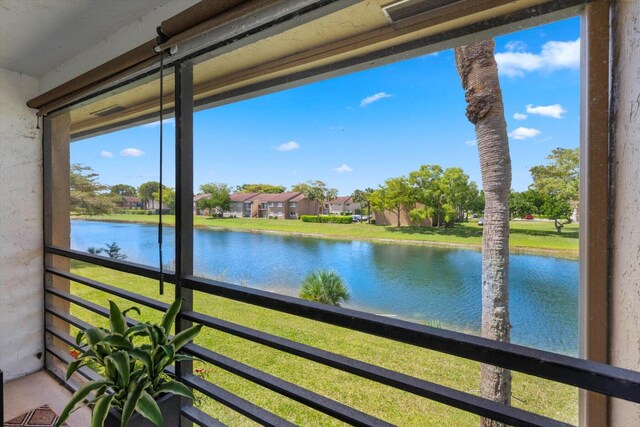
524	235
544	397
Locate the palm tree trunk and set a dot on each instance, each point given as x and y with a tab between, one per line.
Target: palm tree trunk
479	74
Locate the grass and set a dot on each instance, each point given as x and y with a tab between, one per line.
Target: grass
397	407
524	235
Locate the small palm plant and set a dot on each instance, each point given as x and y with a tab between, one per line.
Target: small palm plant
134	359
324	286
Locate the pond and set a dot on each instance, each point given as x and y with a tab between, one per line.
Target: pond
416	283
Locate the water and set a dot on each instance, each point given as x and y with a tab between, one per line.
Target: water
416	283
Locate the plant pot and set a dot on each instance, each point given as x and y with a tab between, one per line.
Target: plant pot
169	407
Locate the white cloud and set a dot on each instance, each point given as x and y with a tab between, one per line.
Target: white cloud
554	55
131	152
288	146
170	121
516	46
520	116
524	133
555	111
471	143
343	169
106	154
373	98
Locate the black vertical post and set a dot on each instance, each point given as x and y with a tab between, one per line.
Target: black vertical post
184	199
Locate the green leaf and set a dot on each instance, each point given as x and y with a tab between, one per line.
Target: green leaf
94	336
170	316
131	402
185	337
161	334
79	396
79	337
116	319
100	410
110	369
169	351
120	360
149	409
137	330
136	309
174	387
153	335
73	366
118	341
184	358
143	357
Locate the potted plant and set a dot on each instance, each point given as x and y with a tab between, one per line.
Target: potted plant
135	387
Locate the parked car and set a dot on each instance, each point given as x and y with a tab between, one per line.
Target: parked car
481	221
356	218
528	217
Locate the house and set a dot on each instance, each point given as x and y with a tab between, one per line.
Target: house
287	205
242	205
390	217
131	202
196	200
341	205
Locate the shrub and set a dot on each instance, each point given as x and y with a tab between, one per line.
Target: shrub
324	286
136	211
327	219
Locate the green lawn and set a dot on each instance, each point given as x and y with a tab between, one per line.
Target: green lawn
541	396
525	235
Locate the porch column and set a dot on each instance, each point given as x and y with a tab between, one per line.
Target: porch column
57	225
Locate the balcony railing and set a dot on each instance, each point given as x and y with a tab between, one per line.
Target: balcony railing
596	377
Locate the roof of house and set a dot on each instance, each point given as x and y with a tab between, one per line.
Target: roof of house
279	197
298	198
199	197
341	199
131	199
243	197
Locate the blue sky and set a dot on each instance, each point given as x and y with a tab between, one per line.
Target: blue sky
357	130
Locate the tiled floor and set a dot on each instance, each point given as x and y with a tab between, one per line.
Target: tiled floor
37	389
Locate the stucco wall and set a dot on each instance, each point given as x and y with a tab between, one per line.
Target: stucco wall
625	264
21	298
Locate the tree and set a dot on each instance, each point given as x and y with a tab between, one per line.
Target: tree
168	199
146	192
475	203
261	188
559	182
316	191
324	286
445	195
87	195
113	251
123	190
219	197
363	197
519	205
428	191
526	202
396	194
459	194
478	72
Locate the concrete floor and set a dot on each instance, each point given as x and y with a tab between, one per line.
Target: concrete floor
38	389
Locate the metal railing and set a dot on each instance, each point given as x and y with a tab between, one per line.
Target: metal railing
592	376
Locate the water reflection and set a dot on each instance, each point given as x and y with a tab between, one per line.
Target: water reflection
412	282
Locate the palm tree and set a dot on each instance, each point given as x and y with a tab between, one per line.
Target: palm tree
478	71
324	286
